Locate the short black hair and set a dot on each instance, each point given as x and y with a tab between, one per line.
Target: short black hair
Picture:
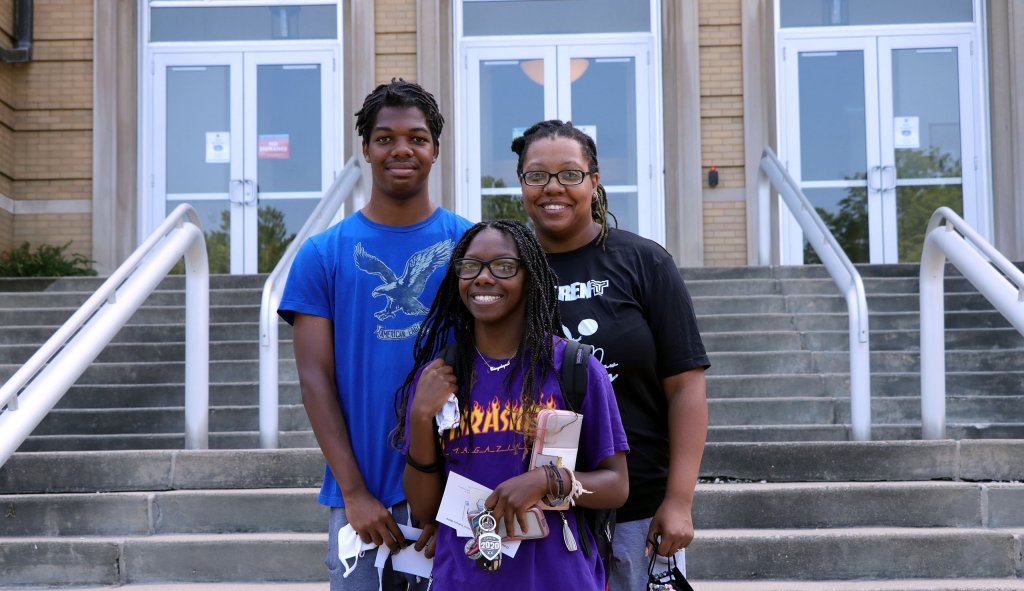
399	93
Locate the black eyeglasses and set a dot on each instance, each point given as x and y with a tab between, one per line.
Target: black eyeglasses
501	267
566	178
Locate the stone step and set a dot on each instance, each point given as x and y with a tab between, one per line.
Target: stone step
141	333
839	340
144	315
68	299
822	461
819	303
878	322
171	394
885	384
952	584
163	372
169	512
147	352
843	432
91	284
140	421
812	410
858	504
827	362
221	557
716	506
252	586
855	553
223	440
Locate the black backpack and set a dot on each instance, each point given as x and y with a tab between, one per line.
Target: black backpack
575	359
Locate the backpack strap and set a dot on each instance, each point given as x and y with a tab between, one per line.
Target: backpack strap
575	359
449	354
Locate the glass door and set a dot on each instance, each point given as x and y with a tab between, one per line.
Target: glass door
875	131
601	88
198	145
245	137
289	156
831	146
927	120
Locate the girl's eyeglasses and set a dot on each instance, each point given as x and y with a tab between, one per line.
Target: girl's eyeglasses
500	268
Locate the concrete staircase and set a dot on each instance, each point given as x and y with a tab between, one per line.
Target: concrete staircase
785	502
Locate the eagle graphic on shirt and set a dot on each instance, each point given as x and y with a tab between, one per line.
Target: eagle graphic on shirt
402	293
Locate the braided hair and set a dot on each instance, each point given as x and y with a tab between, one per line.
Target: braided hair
449	319
553	128
402	94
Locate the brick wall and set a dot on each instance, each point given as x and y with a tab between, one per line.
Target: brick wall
6	231
725	233
721	110
50	123
395	40
6	126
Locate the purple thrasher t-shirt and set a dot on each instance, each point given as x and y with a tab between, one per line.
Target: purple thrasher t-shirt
497	453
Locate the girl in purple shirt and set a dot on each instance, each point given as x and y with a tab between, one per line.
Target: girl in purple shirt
497	303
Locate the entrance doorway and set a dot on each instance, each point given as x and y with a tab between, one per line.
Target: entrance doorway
246	138
879	131
511	88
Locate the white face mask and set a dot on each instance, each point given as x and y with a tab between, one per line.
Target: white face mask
350	547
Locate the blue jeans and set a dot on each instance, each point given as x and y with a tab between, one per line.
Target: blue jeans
628	564
365	576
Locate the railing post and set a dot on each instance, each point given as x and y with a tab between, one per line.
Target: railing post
764	214
197	344
933	345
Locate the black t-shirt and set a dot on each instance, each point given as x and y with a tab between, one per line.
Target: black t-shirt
629	301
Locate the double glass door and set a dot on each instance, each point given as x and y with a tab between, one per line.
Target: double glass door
879	132
246	138
603	89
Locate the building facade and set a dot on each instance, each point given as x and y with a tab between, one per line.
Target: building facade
881	110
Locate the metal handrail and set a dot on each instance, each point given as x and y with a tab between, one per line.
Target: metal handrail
330	209
843	273
44	379
988	270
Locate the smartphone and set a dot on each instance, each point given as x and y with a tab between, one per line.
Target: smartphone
536	523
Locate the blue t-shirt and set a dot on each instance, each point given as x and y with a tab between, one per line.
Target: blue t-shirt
497	452
375	284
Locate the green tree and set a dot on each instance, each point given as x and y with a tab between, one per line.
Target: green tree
273	237
501	207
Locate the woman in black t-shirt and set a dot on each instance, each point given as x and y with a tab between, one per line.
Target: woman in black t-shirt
623	294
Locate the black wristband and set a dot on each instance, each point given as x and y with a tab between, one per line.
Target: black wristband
427	468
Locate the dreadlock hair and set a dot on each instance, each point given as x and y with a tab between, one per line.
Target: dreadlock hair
448	318
553	128
402	94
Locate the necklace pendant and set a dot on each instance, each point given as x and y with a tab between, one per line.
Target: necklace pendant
500	367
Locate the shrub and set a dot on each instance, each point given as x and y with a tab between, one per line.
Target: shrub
47	260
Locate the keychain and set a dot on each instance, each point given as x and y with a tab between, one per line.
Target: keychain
485	546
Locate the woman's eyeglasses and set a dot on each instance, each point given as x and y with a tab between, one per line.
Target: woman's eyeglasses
501	267
566	178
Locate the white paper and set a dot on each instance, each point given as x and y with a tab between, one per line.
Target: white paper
907	133
461	493
407	560
218	147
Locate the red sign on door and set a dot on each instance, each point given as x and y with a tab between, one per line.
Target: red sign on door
273	146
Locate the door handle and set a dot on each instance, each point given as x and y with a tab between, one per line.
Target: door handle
875	174
248	191
236	188
892	175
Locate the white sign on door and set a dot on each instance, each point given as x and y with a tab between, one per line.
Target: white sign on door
218	147
907	133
